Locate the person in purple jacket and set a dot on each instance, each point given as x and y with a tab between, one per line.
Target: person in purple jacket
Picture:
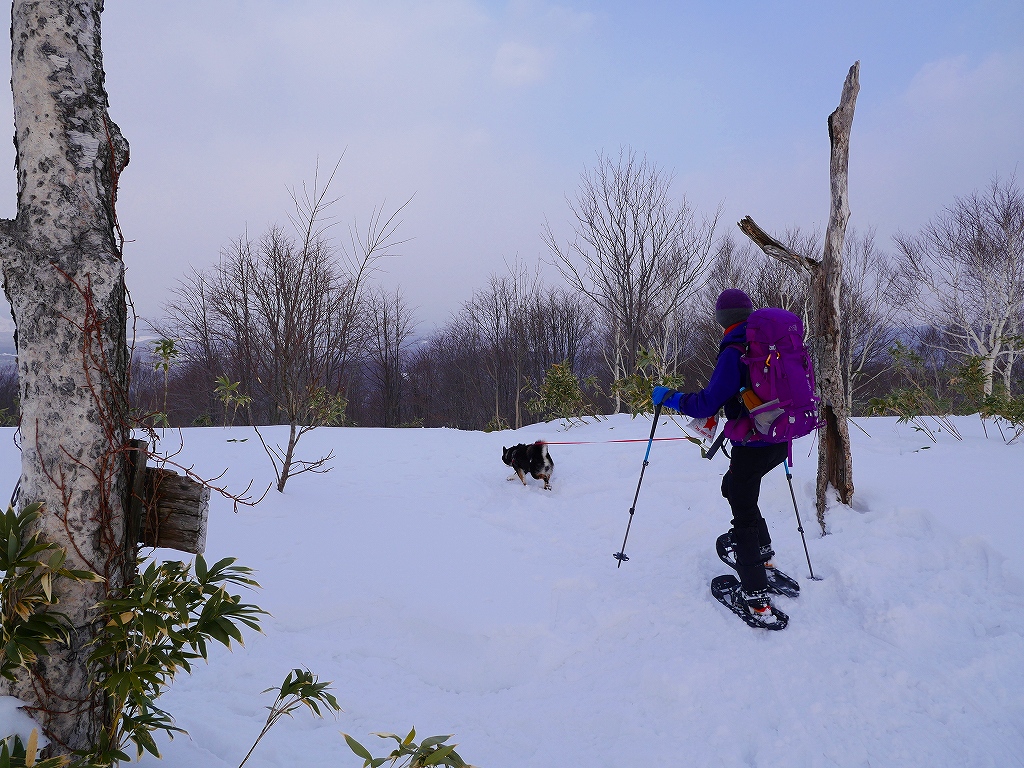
750	461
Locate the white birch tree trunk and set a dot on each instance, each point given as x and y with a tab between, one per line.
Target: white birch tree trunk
1011	356
989	369
64	277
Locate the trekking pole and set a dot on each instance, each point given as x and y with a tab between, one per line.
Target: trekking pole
621	554
799	525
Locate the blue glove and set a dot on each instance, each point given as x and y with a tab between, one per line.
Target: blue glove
661	394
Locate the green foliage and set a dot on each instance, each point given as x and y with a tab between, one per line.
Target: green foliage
203	420
30	569
166	353
965	393
324	409
300	688
561	395
1003	409
156	628
916	406
1000	406
229	396
968	381
431	751
15	754
497	424
913	403
636	388
7	418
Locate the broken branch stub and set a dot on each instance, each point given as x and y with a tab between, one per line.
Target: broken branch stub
805	265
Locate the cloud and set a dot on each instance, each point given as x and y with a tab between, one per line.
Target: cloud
517	64
954	126
571	21
952	81
960	111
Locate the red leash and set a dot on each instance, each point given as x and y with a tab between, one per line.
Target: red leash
604	442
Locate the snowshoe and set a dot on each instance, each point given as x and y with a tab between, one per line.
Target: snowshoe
755	610
778	582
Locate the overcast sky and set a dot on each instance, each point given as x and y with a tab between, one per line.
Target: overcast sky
488	112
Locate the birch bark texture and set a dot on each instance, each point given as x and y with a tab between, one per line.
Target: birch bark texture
64	278
835	461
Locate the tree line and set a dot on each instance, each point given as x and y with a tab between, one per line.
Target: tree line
284	321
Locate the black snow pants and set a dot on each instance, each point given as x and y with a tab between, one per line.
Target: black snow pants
741	486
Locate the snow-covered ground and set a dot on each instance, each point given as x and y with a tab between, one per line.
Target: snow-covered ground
436	594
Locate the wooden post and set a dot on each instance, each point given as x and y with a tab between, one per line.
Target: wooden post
138	452
177	508
167	510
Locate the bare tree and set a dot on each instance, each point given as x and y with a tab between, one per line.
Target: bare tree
867	313
446	386
391	328
476	370
964	274
1015	347
192	321
306	316
637	253
824	277
499	316
285	317
292	296
64	277
560	329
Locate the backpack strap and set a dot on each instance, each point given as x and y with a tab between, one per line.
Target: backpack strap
719	443
744	368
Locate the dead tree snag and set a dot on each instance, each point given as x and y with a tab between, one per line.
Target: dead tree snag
835	462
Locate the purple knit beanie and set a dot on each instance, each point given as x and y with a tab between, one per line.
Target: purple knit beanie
733	306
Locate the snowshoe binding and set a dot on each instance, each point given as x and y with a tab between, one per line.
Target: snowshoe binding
778	582
756	609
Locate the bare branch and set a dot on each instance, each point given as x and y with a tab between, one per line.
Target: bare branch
805	265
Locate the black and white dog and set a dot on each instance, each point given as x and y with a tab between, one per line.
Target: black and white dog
534	459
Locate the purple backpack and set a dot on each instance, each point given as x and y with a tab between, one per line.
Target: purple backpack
782	377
